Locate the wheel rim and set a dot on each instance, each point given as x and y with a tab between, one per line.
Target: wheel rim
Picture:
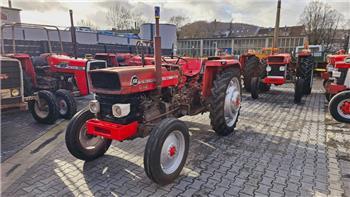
42	110
62	105
343	108
172	152
232	102
88	141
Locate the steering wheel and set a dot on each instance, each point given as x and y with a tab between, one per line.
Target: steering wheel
180	58
163	59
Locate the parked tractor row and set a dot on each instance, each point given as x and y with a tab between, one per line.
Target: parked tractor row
337	86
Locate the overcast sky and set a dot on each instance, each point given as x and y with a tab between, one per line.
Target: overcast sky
258	12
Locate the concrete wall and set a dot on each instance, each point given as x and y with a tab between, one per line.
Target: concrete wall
167	34
86	37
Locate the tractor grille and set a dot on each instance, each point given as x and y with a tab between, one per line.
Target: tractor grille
275	70
97	65
105	80
13	100
106	102
343	73
10	74
275	59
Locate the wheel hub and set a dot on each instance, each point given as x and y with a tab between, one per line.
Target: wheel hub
172	151
88	141
63	107
41	108
346	107
232	102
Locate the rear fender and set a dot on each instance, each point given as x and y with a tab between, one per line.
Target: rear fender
212	68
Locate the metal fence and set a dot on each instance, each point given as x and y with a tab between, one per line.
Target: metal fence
236	46
35	48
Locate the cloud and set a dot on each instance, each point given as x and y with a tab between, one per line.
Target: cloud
43	5
257	12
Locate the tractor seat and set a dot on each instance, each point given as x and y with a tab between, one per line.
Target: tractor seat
191	67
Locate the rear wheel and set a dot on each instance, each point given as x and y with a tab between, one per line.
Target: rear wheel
306	68
166	151
28	85
251	69
298	90
66	104
82	145
44	110
339	107
255	87
226	101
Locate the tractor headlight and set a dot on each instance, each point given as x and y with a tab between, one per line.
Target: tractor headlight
94	106
282	68
120	110
15	92
268	68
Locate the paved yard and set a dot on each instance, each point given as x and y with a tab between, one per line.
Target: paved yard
279	149
18	129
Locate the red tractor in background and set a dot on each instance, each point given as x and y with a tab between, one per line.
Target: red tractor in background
128	59
137	101
260	72
280	69
339	105
327	76
53	72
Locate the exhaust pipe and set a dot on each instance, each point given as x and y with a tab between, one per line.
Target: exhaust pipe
277	26
157	51
73	34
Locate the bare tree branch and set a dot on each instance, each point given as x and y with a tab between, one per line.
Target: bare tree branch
321	23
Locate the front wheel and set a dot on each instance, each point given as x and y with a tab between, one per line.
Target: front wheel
225	101
339	107
66	104
166	151
82	145
44	110
298	90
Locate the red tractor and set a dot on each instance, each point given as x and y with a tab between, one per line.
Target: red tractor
339	105
280	69
327	76
42	104
137	101
53	72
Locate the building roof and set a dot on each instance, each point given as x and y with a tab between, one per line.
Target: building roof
15	9
283	31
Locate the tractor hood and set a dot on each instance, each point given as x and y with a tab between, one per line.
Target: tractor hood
129	79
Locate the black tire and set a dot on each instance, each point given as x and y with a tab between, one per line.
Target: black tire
255	87
263	87
298	90
27	85
66	104
306	68
217	114
73	138
153	150
328	96
251	69
337	100
50	114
